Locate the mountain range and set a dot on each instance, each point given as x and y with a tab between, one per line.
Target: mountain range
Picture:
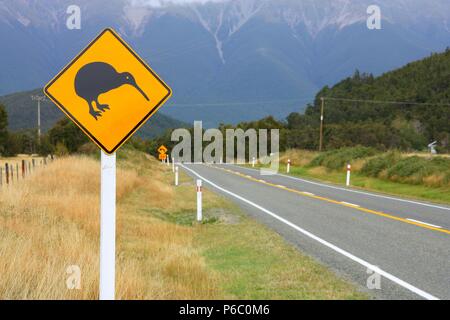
226	60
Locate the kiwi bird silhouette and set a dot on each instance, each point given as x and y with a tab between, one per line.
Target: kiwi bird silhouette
96	78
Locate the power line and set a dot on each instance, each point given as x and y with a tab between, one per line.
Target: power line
238	103
387	102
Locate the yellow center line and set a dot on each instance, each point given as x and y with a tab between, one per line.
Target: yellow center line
306	194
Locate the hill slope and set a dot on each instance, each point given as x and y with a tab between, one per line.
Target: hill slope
22	114
420	115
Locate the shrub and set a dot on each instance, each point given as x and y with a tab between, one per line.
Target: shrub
373	167
337	159
418	170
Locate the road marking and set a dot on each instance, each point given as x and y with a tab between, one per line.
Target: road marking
280	186
359	192
378	213
350	204
425	223
347	254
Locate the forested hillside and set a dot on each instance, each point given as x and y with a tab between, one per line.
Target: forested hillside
420	114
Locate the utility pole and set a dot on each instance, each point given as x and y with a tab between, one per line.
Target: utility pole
38	99
322	99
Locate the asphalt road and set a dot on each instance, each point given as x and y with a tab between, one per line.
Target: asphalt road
354	233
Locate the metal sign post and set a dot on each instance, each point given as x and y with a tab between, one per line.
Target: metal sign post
107	226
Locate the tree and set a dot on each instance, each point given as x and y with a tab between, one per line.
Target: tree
3	129
68	134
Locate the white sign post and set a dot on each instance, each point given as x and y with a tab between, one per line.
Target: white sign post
108	226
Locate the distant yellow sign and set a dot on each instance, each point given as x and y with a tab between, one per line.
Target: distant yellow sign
162	152
108	91
162	149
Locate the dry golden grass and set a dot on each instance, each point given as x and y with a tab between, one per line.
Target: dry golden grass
298	157
51	221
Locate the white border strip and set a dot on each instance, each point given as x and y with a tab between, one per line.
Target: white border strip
324	242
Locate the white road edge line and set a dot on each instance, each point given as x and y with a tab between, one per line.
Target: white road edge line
355	191
425	223
362	262
350	204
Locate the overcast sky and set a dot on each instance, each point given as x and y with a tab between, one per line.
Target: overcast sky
159	3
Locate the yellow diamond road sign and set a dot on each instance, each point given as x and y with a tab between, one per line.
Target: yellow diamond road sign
162	149
108	91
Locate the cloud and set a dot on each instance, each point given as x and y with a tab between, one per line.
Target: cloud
163	3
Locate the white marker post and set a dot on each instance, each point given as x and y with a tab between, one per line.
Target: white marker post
349	167
173	164
199	200
168	160
253	162
176	175
288	168
107	226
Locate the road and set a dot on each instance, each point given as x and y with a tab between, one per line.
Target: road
355	233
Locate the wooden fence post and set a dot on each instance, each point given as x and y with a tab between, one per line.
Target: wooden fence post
7	173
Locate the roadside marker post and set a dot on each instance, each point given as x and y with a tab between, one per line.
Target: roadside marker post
349	168
176	176
130	93
173	164
7	173
253	162
199	200
288	168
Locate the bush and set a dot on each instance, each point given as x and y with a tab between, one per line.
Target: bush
373	167
337	159
418	170
61	149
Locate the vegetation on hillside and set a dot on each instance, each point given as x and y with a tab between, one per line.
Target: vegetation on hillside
382	125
